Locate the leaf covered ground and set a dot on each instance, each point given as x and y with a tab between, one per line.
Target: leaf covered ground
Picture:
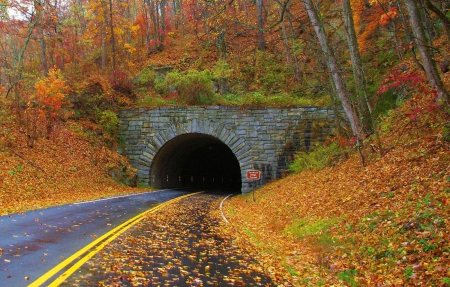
383	224
73	165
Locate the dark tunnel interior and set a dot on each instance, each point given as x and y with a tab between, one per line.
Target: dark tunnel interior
197	161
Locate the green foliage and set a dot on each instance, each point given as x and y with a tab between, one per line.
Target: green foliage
348	276
314	226
81	132
320	157
146	77
386	102
154	101
160	87
290	270
269	72
110	123
193	87
87	104
222	70
446	133
261	99
409	272
426	245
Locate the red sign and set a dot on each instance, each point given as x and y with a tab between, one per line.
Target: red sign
253	174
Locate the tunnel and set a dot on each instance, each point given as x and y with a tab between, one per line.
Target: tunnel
197	161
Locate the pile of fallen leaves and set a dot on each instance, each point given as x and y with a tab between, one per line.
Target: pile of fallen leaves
383	224
73	165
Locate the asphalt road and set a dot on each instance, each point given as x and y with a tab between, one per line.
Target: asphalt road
33	243
181	244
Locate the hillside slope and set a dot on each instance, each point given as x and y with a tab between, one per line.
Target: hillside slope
383	224
72	166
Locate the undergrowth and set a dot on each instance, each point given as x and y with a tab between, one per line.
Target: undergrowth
338	223
321	156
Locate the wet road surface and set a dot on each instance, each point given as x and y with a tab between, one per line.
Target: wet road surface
180	245
34	242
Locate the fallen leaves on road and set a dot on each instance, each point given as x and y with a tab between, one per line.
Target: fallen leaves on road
181	245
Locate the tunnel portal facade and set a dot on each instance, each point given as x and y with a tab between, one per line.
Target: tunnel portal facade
215	146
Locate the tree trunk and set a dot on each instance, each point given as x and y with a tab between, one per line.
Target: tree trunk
365	112
333	68
163	21
424	47
261	41
147	27
113	41
442	17
290	52
42	46
398	42
103	36
221	44
19	60
182	18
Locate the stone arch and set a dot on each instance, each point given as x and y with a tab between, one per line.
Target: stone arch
180	127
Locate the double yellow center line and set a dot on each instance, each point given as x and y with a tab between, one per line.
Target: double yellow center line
95	247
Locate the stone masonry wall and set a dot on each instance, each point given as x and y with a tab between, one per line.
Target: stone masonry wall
264	139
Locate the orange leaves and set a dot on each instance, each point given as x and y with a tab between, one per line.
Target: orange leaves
387	17
369	19
393	213
372	18
51	91
68	168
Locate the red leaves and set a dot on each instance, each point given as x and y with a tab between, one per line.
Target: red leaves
413	114
342	141
400	79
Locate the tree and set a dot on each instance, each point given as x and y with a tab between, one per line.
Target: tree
261	40
425	49
357	67
113	40
444	19
333	68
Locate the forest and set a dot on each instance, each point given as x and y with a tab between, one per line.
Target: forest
85	59
369	207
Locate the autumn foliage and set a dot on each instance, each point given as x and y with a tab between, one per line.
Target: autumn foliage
50	97
68	67
384	224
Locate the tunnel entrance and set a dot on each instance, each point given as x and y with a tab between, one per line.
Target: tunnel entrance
197	161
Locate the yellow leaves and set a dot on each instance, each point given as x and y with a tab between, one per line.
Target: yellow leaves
129	47
53	86
135	29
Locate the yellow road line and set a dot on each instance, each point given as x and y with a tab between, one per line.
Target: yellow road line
112	234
